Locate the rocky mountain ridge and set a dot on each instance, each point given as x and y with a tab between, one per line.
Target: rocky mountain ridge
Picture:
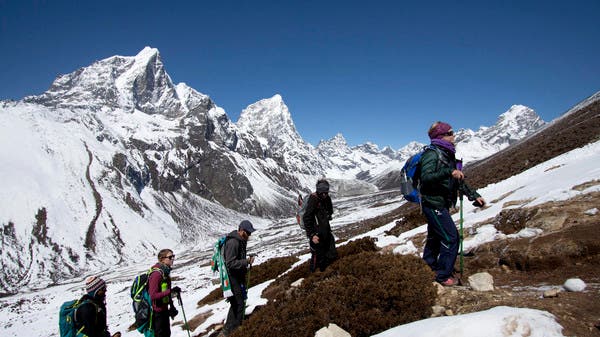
120	160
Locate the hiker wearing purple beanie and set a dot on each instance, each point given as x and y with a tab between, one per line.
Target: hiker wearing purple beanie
441	180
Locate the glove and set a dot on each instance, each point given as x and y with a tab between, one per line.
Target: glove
173	312
116	334
176	291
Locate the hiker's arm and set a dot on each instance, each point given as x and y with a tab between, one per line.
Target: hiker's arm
86	317
470	193
430	173
154	285
231	251
309	217
329	207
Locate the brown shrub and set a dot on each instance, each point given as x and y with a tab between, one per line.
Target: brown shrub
302	271
363	292
268	270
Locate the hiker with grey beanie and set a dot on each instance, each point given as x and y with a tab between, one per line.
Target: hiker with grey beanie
316	221
238	265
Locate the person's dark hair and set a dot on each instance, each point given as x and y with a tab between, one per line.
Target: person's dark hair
322	186
163	253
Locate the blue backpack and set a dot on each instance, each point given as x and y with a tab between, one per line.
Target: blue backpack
66	318
410	175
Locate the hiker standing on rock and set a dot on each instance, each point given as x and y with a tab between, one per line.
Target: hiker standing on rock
234	255
161	293
316	221
441	180
90	316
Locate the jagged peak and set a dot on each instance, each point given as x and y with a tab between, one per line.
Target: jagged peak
368	147
268	110
338	141
270	119
147	53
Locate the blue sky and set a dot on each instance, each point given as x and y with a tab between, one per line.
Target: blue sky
379	71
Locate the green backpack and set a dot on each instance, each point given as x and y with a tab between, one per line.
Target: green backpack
141	303
217	264
66	318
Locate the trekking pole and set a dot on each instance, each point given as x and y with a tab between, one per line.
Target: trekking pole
187	327
459	166
461	234
245	299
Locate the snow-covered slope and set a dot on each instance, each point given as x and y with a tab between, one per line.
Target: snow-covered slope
34	313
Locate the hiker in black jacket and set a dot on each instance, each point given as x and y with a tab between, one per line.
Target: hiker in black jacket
234	255
91	314
316	221
441	181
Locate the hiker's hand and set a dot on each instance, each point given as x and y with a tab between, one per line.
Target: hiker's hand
479	202
456	174
315	239
176	291
116	334
251	260
173	312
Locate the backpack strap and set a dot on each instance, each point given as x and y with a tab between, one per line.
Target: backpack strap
78	304
440	156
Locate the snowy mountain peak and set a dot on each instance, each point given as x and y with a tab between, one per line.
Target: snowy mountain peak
119	82
511	126
337	142
271	120
148	53
516	116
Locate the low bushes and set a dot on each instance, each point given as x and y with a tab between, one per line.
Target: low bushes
364	292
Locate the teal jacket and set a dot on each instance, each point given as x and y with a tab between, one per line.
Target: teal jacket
437	187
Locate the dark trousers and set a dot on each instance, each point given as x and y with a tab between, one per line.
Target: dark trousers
323	253
236	313
161	324
441	248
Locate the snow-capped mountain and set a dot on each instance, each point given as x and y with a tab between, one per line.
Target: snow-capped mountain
513	125
115	161
271	122
346	162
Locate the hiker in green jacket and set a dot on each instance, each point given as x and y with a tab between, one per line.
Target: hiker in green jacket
237	264
441	180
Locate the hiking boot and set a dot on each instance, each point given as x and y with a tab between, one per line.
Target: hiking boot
451	281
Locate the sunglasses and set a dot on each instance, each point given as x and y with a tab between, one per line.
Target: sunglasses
247	233
449	133
170	257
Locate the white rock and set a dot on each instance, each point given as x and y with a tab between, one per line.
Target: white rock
437	310
481	282
297	283
406	249
551	293
591	211
332	330
574	284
